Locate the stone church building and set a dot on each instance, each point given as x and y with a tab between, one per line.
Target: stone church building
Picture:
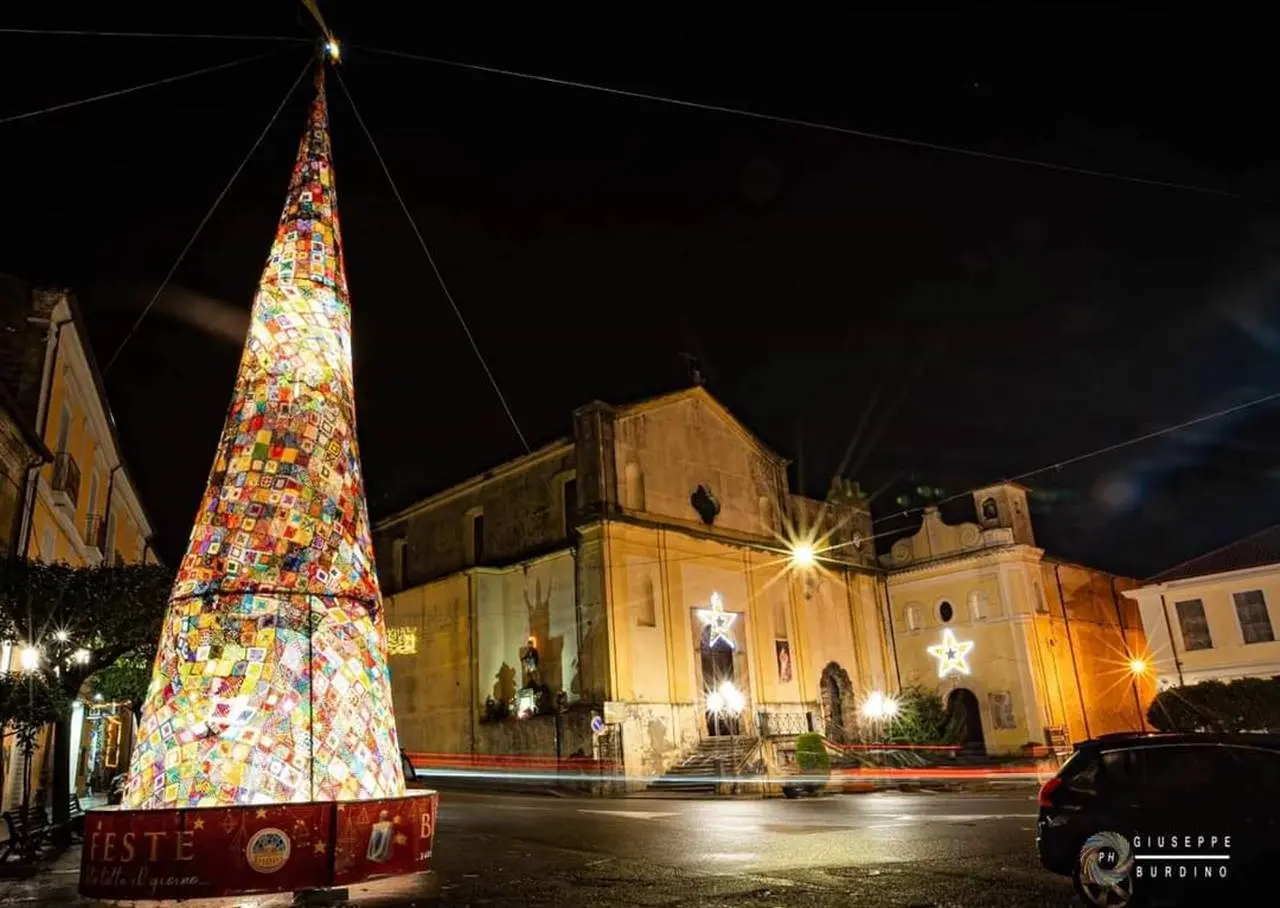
631	592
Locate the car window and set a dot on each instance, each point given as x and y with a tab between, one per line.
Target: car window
1083	776
1249	770
1121	769
1159	769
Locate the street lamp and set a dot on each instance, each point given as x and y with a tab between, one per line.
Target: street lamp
878	709
879	706
81	656
29	658
802	555
725	701
1137	669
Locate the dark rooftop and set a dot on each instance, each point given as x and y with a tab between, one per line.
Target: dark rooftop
1261	548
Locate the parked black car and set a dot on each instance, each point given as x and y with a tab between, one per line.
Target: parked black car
1131	817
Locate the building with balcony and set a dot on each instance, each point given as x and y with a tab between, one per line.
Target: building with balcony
76	502
642	574
21	452
1215	617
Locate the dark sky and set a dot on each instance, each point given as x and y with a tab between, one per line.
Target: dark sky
992	318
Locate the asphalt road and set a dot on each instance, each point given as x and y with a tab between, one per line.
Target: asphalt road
889	849
916	849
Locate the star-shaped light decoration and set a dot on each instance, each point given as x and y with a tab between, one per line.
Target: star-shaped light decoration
260	813
718	622
401	839
952	654
198	824
318	847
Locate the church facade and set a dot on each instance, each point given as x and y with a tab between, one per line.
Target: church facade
634	591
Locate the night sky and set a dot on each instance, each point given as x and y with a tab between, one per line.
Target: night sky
987	318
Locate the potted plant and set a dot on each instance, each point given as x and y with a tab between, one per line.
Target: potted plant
814	764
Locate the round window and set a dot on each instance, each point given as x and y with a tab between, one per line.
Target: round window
945	612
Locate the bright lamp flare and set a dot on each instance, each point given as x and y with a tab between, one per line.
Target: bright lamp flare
1138	666
879	706
29	659
715	702
734	701
271	682
81	656
803	555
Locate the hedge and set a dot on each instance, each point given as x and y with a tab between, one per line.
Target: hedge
1246	705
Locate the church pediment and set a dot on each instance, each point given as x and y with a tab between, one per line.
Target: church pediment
938	539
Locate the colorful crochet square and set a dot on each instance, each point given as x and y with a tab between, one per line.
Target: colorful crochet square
271	681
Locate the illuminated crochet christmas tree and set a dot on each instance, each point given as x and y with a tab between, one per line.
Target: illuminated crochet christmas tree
271	682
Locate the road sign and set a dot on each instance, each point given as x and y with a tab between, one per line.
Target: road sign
597	725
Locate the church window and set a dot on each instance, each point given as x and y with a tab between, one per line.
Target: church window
989	509
913	617
569	504
400	563
647	607
946	612
979	605
634	487
477	538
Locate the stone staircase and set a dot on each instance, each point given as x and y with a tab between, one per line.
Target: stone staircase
713	758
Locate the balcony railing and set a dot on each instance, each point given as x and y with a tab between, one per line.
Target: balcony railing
66	479
784	724
94	532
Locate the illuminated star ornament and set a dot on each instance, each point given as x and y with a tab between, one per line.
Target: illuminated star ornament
952	654
718	622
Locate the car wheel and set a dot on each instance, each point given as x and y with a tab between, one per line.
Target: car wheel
1103	875
790	792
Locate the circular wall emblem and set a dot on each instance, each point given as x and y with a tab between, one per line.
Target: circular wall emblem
268	850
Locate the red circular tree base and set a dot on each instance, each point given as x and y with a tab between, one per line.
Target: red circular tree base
204	852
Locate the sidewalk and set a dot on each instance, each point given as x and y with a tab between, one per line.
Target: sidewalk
57	883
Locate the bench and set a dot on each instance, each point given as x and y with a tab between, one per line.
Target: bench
75	817
28	830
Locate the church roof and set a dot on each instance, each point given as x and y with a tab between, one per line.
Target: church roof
1261	548
699	392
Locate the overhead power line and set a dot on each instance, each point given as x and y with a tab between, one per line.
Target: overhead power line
1097	452
431	260
208	214
74	32
124	91
824	127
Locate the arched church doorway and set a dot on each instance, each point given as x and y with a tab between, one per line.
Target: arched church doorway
717	670
839	711
962	707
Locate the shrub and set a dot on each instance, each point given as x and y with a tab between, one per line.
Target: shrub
923	719
1249	704
811	755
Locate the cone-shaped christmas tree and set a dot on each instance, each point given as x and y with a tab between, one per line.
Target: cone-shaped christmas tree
271	681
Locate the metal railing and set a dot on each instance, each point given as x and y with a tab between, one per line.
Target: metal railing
784	724
66	476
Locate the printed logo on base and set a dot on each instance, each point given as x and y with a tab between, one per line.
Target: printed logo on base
268	850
